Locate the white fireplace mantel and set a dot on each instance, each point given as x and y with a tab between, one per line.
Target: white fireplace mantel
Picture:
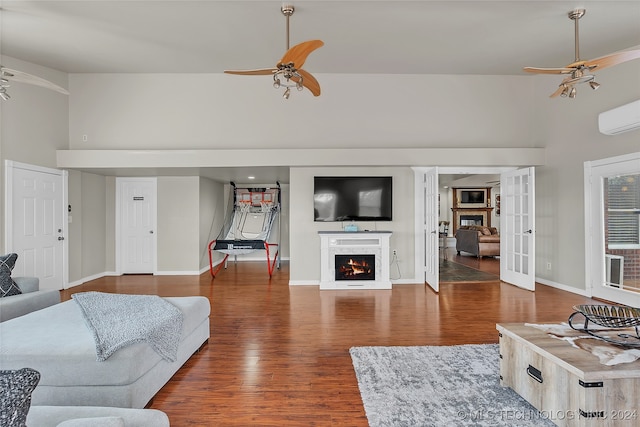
334	243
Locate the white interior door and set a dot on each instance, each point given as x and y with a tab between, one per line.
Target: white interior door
35	222
517	227
430	229
136	223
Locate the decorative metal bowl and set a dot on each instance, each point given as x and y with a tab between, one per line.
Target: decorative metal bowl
609	316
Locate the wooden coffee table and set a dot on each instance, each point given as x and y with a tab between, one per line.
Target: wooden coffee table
567	384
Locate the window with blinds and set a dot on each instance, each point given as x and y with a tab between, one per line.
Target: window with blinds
623	211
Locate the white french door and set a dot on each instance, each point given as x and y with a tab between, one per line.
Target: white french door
430	228
612	228
517	228
136	225
36	222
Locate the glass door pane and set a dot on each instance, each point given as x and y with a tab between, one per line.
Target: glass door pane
621	212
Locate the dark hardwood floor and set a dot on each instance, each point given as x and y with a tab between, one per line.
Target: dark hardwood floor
279	355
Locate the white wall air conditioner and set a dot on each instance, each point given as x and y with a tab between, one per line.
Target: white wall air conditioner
614	268
621	119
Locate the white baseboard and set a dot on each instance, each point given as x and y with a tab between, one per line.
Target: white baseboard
113	273
177	273
317	282
88	279
73	284
304	283
406	282
562	287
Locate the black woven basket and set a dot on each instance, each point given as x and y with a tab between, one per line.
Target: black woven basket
610	316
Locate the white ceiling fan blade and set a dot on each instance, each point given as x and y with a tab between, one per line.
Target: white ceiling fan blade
557	92
260	72
22	77
537	70
298	54
613	59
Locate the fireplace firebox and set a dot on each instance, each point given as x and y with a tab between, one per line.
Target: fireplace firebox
354	260
471	220
355	267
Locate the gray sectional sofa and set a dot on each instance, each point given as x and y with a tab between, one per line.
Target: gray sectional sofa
31	299
74	388
57	343
91	416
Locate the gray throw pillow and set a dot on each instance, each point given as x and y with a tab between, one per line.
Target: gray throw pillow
7	286
15	395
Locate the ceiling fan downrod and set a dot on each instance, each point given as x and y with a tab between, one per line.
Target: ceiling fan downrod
287	11
287	70
578	75
575	15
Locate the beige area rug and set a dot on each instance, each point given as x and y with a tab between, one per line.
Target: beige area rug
436	386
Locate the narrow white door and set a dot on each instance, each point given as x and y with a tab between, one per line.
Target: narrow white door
430	230
136	223
35	222
517	226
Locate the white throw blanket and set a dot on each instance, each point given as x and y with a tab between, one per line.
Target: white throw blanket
118	320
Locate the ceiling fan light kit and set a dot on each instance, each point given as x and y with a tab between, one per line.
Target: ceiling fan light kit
4	84
288	73
3	90
580	71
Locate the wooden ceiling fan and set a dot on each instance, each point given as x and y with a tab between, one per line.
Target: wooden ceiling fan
288	72
8	75
579	71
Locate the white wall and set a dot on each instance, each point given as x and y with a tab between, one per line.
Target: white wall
74	228
133	111
213	112
178	224
212	210
34	123
87	231
569	129
110	227
93	216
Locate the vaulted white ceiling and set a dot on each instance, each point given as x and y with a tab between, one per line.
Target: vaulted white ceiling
388	37
361	37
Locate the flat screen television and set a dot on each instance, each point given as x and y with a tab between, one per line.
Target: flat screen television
472	196
352	198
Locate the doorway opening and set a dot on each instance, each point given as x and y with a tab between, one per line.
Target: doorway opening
466	267
517	222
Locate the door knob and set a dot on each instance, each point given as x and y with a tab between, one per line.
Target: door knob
150	231
60	238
